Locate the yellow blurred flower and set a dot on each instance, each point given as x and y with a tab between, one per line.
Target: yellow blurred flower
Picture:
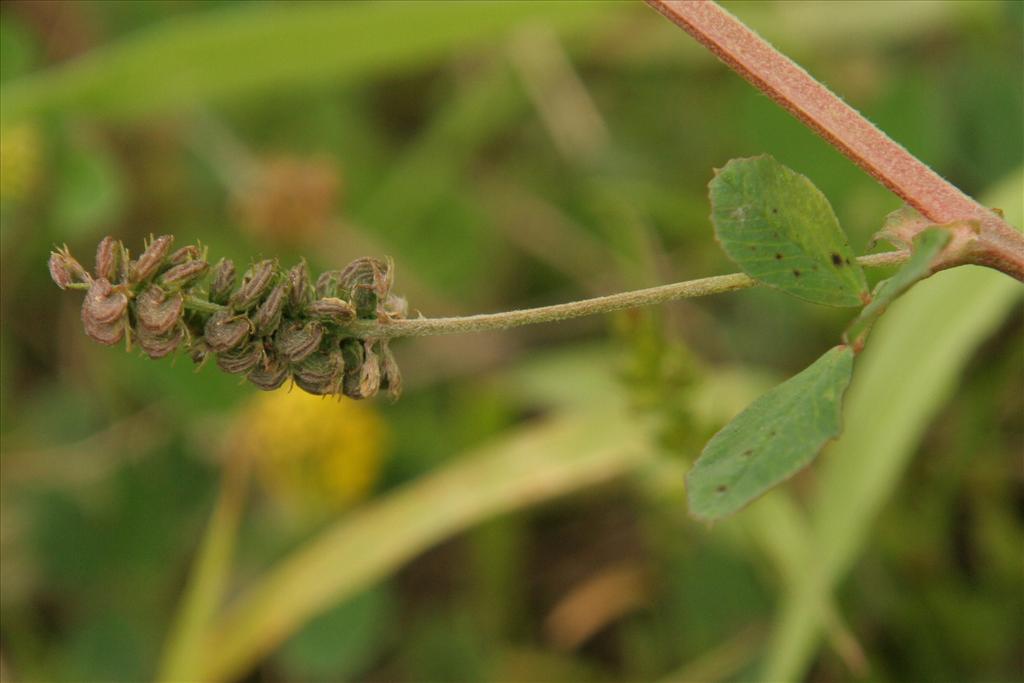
313	454
20	160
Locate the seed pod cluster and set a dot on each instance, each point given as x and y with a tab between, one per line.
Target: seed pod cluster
271	325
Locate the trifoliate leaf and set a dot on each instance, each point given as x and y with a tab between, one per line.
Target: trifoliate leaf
772	439
780	229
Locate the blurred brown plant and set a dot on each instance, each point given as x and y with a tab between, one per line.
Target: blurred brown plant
291	200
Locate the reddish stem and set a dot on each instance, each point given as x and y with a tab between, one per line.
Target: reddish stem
771	72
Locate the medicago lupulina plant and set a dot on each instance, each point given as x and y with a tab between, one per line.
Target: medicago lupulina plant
331	336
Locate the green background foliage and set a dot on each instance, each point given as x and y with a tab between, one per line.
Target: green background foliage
528	519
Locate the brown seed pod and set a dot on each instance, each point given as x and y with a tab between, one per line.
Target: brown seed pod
320	373
240	360
390	376
369	374
65	270
108	256
270	374
362	369
103	312
256	280
222	281
184	273
332	309
300	292
225	330
270	327
365	282
158	345
103	303
329	283
189	252
295	341
151	259
268	315
157	311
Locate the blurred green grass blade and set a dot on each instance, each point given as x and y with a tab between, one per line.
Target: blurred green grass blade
210	571
536	463
912	364
780	229
776	435
779	528
217	55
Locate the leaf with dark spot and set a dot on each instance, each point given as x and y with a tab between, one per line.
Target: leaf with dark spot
773	243
786	427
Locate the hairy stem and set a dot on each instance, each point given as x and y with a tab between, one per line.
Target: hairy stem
423	327
1000	246
576	309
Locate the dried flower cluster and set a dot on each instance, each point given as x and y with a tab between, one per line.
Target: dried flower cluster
272	326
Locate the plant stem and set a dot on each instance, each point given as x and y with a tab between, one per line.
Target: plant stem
576	309
194	303
1000	246
423	327
201	305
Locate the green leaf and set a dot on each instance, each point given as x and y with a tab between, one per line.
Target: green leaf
779	228
916	356
927	246
775	436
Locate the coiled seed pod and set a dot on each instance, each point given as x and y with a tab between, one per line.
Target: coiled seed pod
273	326
151	259
268	315
108	256
300	292
241	360
352	353
270	374
320	373
157	311
222	281
390	376
364	282
189	252
225	330
329	283
65	270
158	345
296	340
183	274
332	309
103	312
255	282
369	373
